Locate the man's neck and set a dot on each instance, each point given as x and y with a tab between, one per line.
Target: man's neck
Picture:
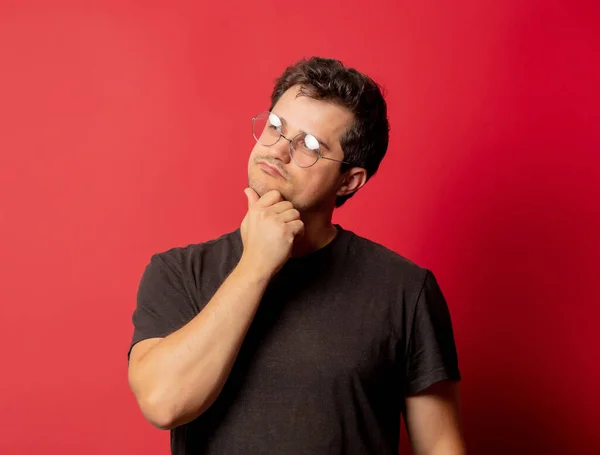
318	232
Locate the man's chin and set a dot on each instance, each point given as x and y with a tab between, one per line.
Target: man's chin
262	187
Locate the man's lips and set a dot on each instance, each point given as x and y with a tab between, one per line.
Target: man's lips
270	169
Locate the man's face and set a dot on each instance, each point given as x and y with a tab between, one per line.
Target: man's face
311	188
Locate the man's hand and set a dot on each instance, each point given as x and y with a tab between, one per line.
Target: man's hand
268	231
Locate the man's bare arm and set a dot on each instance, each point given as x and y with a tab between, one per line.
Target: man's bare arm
433	420
176	378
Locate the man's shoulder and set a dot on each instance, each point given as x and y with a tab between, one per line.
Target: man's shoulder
379	260
221	248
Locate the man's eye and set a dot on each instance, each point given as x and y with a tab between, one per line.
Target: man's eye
275	129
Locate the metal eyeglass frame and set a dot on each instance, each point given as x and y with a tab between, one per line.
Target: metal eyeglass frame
291	141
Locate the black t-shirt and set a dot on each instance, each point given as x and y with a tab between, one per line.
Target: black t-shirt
341	336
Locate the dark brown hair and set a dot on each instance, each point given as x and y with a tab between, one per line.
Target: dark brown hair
366	142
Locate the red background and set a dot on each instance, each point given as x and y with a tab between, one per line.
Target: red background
125	130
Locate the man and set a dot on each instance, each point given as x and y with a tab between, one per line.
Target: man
291	335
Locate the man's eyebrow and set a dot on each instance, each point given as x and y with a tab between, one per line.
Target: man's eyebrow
323	143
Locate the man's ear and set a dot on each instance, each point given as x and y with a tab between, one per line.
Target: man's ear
352	180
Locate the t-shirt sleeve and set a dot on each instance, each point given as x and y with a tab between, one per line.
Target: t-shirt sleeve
431	352
164	302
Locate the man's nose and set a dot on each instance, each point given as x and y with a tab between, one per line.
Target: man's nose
281	149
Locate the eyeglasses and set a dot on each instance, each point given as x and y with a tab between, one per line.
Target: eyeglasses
305	149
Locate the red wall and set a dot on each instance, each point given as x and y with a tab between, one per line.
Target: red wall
125	130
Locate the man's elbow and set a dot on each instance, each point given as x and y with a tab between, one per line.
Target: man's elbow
161	423
165	413
158	413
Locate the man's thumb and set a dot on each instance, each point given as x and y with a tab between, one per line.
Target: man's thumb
252	196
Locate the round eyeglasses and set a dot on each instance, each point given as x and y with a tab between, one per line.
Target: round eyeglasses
305	149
